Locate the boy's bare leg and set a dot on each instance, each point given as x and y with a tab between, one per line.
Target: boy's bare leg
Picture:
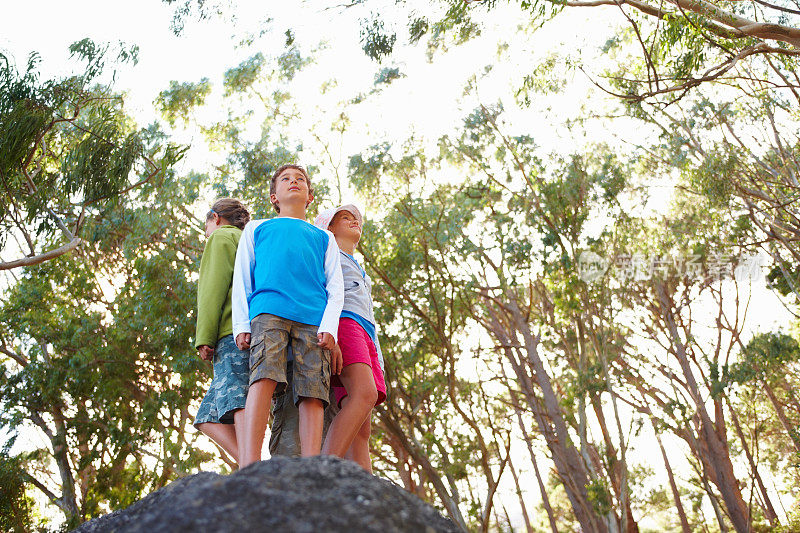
312	413
359	449
361	397
256	416
222	434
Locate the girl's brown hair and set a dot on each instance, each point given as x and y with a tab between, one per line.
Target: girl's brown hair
232	210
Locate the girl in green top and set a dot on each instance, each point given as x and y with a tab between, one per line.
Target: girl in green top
221	413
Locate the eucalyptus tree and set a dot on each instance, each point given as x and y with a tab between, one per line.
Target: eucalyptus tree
762	396
68	149
720	83
741	154
98	373
426	297
677	379
478	243
679	44
508	245
256	132
436	412
75	168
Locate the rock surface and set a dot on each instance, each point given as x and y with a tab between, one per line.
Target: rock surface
279	495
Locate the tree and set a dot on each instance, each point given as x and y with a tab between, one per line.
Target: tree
434	418
506	244
673	60
681	43
485	276
68	149
96	356
15	506
767	368
77	322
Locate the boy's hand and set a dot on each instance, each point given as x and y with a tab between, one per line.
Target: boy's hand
336	360
326	340
243	341
205	352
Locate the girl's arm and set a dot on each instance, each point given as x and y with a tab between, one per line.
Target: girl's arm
378	349
216	267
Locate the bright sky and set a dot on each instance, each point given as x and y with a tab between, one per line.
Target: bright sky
428	102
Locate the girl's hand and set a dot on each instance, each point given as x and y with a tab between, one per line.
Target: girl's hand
243	341
326	340
205	352
336	360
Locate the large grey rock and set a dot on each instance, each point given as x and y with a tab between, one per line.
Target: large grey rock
282	494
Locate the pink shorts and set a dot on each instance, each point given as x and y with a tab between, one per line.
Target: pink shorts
357	347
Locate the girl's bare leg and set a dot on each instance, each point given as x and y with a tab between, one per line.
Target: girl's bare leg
361	397
222	434
359	449
256	416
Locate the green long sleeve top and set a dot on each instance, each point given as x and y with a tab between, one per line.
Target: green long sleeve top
214	286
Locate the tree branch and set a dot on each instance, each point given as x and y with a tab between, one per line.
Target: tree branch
722	23
20	359
746	27
39	485
41	258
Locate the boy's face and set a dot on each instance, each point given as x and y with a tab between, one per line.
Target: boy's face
291	186
345	224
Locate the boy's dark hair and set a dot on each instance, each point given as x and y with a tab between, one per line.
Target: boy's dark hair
232	210
272	186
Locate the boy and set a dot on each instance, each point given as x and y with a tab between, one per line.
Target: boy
287	288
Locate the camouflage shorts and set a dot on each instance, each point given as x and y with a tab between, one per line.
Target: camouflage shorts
228	389
271	338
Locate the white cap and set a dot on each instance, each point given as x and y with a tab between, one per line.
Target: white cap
324	219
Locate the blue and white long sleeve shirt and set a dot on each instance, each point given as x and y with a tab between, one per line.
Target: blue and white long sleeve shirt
288	268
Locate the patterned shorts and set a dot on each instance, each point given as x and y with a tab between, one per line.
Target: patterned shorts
271	338
228	389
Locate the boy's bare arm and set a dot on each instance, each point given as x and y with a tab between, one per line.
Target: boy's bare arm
243	341
326	340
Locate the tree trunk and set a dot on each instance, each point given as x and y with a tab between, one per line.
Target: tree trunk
522	505
787	426
567	459
712	438
576	490
769	511
676	495
616	468
714	504
68	495
529	442
421	458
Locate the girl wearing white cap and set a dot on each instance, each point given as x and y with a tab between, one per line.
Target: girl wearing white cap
357	376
